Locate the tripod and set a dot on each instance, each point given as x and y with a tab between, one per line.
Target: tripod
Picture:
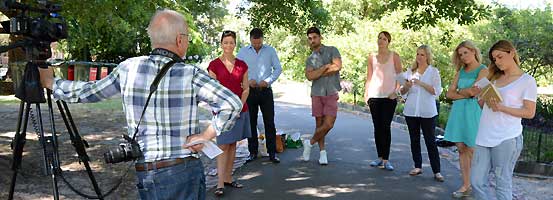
49	143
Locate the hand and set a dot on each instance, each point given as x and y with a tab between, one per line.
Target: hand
495	105
474	90
252	83
392	96
193	139
416	81
46	77
263	84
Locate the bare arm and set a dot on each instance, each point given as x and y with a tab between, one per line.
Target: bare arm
314	74
473	91
452	90
527	111
369	75
245	87
212	74
333	67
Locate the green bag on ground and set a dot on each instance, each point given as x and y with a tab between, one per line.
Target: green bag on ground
290	143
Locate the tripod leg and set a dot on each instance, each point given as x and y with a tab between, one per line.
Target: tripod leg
48	148
18	142
78	143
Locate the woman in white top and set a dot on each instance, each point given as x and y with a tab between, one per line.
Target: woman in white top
422	86
499	138
381	94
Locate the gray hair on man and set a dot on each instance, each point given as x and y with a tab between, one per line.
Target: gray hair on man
165	26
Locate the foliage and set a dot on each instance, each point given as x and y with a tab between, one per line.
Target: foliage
295	16
530	31
115	29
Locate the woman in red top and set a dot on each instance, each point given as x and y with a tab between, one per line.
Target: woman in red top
233	74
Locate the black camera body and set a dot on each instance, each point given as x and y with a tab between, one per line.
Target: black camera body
124	152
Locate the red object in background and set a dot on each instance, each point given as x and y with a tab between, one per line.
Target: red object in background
103	72
92	74
71	73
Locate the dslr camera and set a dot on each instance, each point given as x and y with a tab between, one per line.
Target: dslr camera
124	152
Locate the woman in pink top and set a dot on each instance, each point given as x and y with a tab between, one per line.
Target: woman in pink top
380	95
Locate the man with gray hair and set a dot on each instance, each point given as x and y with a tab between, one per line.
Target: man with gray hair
168	168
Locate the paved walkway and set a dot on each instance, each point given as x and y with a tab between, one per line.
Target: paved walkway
350	147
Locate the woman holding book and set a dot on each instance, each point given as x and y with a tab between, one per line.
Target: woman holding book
462	123
381	94
499	139
233	74
421	88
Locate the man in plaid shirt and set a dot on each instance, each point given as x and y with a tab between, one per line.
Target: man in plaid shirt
169	168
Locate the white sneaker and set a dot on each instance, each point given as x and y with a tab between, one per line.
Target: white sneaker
322	159
306	150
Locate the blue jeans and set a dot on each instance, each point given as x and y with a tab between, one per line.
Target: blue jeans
182	181
502	159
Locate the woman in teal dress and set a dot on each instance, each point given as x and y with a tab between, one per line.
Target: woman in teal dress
463	120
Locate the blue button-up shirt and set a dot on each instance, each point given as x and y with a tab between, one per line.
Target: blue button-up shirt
171	115
263	65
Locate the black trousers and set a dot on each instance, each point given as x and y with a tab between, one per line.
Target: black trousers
382	112
262	98
428	126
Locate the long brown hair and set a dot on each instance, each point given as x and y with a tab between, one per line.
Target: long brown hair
429	57
505	46
456	59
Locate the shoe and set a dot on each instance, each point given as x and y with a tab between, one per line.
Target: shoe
274	159
387	166
416	171
438	177
323	160
234	184
251	157
459	194
376	163
306	150
218	192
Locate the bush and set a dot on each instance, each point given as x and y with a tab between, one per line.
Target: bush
544	115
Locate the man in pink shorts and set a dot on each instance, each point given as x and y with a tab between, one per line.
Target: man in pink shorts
322	67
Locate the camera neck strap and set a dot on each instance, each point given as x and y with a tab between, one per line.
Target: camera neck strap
153	87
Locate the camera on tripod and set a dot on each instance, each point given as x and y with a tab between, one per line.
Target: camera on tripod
124	152
41	28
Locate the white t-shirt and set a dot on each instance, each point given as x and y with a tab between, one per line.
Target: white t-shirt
496	127
420	103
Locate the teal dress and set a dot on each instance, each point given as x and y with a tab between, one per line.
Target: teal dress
464	117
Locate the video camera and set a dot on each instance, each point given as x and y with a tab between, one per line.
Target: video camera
45	27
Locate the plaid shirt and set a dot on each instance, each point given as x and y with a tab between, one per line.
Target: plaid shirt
172	112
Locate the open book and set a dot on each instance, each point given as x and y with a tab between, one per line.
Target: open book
488	90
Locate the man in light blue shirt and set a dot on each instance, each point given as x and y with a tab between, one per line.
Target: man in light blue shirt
263	70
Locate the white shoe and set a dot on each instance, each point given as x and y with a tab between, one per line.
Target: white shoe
322	159
306	150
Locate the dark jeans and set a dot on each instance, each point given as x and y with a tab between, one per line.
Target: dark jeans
182	181
262	98
382	112
428	126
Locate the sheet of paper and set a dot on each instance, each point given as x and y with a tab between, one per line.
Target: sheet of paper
210	149
483	82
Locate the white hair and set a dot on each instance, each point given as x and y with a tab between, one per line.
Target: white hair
165	26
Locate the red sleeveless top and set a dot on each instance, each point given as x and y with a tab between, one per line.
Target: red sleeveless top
231	80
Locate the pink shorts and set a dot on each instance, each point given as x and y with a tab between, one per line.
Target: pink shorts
324	105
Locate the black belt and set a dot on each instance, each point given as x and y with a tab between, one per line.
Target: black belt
162	163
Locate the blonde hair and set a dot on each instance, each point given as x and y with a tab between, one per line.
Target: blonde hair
505	46
429	57
456	59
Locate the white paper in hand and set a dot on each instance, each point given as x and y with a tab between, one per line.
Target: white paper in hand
210	149
482	83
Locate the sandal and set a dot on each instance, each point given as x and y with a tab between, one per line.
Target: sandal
415	171
234	184
218	192
438	177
